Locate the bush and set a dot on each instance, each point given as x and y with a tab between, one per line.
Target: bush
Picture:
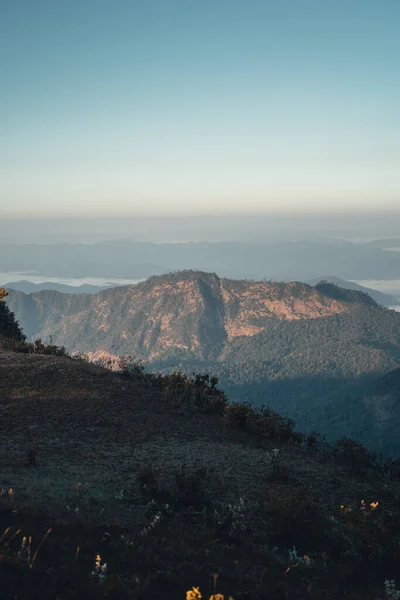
196	487
129	367
192	490
199	392
38	347
291	510
262	421
369	533
9	327
354	455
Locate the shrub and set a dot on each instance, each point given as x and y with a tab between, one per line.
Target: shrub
199	392
190	492
130	367
391	468
352	454
263	421
9	327
38	347
194	487
291	510
368	532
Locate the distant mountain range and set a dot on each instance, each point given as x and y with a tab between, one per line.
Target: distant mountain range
279	261
385	243
29	287
290	345
379	297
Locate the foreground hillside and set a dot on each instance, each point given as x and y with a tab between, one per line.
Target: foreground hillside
291	346
94	463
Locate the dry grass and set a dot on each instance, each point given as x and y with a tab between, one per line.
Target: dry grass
169	498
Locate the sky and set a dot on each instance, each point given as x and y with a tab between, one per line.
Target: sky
164	107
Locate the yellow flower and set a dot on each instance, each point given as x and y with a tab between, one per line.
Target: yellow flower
193	594
217	597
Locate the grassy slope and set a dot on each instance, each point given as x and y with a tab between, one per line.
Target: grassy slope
96	434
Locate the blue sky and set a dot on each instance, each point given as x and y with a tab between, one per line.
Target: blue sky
198	106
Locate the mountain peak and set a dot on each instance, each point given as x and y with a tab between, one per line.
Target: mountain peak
190	313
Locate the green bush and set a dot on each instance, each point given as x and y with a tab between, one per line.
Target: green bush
356	456
263	421
199	392
38	347
130	367
9	327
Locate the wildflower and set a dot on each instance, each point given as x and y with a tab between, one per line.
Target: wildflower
193	594
374	505
100	570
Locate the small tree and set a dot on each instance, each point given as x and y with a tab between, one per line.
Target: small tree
9	327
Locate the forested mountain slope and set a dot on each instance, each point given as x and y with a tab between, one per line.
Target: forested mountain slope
193	314
379	297
370	413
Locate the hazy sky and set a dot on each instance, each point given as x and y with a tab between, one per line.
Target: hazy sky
195	106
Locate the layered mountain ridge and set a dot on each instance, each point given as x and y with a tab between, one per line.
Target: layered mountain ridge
191	311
